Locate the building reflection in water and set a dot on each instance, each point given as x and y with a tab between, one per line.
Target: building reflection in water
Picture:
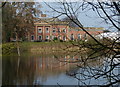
37	69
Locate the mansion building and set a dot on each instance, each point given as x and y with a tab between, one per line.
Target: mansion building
47	29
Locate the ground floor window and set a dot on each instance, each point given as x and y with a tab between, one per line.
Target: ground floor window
32	37
58	30
85	36
50	37
72	37
59	37
40	37
64	38
47	37
53	37
79	36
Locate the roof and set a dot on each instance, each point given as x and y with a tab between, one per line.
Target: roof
51	21
88	28
56	21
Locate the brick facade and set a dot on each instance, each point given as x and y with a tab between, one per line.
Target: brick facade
49	30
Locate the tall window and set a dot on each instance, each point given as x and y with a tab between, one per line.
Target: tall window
32	37
64	38
47	30
39	30
40	37
58	30
47	37
72	37
53	37
79	36
85	36
54	30
59	37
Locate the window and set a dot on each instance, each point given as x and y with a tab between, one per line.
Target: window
85	36
72	37
79	36
59	37
47	30
40	38
54	30
53	37
58	30
39	30
32	37
47	37
64	38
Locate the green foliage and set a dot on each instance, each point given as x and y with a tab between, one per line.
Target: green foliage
18	19
55	38
8	48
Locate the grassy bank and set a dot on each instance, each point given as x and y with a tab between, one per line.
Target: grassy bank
8	48
50	47
38	47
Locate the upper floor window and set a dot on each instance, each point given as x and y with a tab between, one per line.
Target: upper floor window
47	30
54	30
39	30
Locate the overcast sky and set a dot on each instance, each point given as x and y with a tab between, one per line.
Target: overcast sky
87	18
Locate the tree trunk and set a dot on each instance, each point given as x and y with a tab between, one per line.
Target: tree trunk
18	47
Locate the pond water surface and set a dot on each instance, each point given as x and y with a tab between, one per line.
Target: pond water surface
48	69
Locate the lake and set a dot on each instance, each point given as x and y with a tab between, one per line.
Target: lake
56	69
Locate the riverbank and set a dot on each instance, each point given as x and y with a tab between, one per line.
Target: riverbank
52	47
38	47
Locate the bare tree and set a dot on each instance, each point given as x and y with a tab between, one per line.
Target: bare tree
106	49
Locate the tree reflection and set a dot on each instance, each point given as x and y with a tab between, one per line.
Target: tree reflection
17	71
32	70
35	70
104	69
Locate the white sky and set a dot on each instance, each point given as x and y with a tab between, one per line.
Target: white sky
88	19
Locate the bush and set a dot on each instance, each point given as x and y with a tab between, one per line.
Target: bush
8	48
55	38
61	41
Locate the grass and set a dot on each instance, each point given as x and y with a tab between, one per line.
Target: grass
8	48
34	47
47	47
